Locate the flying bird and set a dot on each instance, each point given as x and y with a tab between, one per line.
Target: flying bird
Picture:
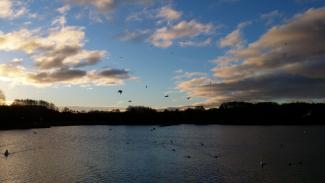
6	153
188	98
166	96
130	101
120	92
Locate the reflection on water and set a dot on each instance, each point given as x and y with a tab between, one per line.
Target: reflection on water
184	153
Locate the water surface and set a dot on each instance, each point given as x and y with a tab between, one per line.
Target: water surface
183	153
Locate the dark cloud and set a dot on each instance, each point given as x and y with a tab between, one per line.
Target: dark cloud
115	73
57	76
269	87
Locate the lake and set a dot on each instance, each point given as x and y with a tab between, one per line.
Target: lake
183	153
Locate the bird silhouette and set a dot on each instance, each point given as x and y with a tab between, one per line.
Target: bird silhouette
130	101
6	153
166	96
120	92
188	98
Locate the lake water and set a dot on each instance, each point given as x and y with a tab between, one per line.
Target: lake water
183	153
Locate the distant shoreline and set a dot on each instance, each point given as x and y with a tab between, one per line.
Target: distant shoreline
233	113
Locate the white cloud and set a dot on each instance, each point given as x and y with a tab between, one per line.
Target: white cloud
164	36
181	75
202	43
270	17
11	9
138	35
64	9
168	13
59	21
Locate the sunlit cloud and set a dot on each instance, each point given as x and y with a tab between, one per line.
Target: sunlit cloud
60	48
287	62
18	74
58	55
169	14
12	9
164	37
235	38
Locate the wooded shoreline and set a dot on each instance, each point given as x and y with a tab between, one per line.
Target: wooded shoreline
41	114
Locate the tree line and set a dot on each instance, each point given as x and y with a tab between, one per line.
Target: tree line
27	113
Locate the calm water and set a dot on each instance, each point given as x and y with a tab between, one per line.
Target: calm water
140	154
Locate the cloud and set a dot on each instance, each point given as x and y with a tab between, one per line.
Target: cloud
298	42
169	14
16	73
59	21
138	35
270	17
11	9
115	73
106	6
61	47
57	76
235	38
286	63
273	87
59	58
202	43
181	75
64	9
165	36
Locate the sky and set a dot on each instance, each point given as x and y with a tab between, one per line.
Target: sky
80	52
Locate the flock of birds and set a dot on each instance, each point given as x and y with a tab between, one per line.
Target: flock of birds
188	98
130	101
261	163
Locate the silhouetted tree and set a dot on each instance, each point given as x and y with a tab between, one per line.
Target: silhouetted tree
2	98
141	109
30	102
27	113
